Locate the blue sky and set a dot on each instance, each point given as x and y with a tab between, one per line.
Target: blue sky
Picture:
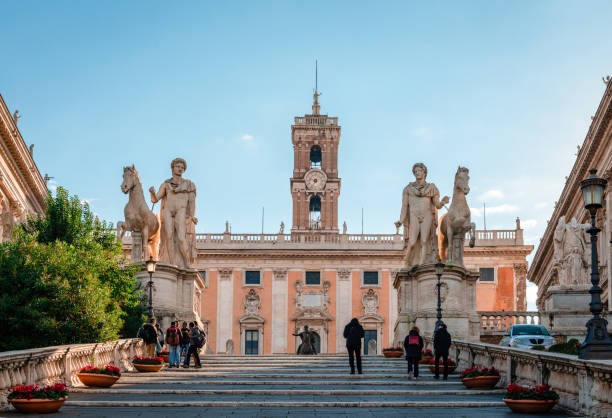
504	88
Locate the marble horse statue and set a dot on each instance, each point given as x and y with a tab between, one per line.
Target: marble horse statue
457	222
138	218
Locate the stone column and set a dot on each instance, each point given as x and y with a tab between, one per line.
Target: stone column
280	316
520	277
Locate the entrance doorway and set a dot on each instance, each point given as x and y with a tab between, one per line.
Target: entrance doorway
317	342
251	337
370	334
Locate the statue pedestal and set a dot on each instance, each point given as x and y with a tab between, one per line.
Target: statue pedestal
567	311
176	294
418	301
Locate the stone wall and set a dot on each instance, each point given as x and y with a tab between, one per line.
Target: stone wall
584	386
48	365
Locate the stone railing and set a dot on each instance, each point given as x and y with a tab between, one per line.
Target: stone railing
48	365
497	322
584	386
325	240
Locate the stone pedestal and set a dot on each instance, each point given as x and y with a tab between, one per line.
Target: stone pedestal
176	293
567	311
418	301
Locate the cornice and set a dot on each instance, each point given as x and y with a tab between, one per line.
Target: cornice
595	138
22	160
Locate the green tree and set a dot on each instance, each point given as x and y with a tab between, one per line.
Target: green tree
64	280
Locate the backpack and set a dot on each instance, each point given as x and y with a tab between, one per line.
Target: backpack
172	338
413	340
201	340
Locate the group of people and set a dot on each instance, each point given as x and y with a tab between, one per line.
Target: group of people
413	347
183	342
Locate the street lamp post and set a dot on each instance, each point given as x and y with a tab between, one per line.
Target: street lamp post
150	264
439	270
597	344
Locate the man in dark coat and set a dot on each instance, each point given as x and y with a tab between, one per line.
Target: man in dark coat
148	333
442	343
353	332
413	345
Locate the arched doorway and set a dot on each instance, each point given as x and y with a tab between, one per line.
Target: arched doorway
315	212
317	342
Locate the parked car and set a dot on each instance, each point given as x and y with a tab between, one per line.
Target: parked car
526	336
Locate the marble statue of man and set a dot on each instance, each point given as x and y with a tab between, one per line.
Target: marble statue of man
420	204
177	244
572	254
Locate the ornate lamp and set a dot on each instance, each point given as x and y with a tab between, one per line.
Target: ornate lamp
597	344
150	265
439	271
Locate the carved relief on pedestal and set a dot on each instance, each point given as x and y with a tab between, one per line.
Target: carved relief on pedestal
370	301
443	291
252	301
225	273
343	274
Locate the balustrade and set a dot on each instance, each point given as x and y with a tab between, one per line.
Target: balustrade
43	366
496	322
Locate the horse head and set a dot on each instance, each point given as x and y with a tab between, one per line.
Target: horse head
130	179
462	179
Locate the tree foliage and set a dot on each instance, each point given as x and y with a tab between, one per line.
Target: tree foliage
64	280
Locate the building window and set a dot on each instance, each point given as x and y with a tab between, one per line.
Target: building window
313	277
370	278
315	156
487	274
251	277
315	212
251	344
203	277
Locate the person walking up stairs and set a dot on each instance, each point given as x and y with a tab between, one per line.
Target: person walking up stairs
353	332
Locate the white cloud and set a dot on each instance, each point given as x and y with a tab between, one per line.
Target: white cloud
421	131
52	185
540	205
247	137
492	194
531	296
529	223
88	200
476	212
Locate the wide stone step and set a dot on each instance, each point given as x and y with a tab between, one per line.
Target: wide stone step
283	396
292	392
290	383
294	376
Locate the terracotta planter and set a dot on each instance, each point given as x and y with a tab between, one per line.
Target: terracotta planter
441	368
37	406
97	379
530	406
393	354
480	382
425	360
148	367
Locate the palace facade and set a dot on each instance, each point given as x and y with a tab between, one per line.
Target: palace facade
566	315
260	289
22	189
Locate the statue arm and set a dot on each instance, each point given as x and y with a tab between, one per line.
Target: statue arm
156	197
404	212
439	203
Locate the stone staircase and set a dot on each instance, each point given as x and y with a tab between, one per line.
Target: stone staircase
285	385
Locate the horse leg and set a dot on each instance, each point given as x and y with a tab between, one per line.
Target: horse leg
144	235
120	230
450	246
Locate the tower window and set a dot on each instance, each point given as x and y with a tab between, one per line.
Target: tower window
315	212
315	156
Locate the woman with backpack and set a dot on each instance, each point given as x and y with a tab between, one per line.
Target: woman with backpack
173	339
413	345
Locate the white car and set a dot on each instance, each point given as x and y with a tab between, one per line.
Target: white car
526	336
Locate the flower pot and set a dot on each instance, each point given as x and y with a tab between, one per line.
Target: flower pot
480	382
530	406
393	354
97	379
425	360
37	406
148	367
432	368
166	357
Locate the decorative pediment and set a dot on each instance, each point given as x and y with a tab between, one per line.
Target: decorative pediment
252	301
370	301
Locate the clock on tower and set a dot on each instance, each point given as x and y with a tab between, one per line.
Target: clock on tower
315	184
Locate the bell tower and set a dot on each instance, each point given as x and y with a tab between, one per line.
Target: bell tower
315	185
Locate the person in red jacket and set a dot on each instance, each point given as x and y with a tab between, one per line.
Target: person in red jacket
173	339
